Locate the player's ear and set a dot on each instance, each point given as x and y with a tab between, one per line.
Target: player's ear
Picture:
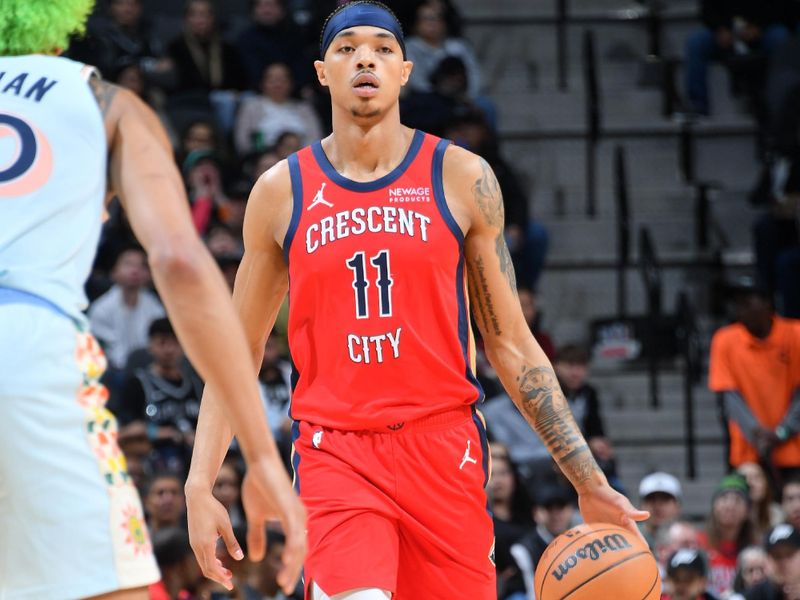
407	66
319	66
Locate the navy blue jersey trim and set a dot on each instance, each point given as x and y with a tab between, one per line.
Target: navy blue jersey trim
484	445
444	210
297	203
296	455
367	186
438	190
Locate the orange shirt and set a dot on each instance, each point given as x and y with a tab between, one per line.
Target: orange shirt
766	373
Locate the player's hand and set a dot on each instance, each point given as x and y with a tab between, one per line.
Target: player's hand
602	504
267	495
208	521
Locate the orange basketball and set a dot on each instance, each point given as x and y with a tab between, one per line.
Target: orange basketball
597	561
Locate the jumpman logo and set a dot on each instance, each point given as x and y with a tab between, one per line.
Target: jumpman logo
319	199
467	458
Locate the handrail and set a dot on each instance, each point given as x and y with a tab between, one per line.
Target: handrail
651	274
592	119
692	354
623	229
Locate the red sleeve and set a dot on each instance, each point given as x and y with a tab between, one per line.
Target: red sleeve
720	375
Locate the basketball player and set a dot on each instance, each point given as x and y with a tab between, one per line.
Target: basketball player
71	523
377	232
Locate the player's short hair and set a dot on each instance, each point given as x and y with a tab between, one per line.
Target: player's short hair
40	26
350	4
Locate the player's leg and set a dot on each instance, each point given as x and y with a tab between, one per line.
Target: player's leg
447	536
361	594
135	594
345	481
72	521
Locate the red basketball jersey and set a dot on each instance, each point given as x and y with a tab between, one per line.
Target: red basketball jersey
379	328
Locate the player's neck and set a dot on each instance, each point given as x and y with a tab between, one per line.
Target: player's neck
367	153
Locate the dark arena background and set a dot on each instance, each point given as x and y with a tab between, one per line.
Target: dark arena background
647	152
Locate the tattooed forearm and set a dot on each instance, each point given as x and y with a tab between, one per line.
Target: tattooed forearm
488	196
506	266
546	409
481	293
476	297
103	92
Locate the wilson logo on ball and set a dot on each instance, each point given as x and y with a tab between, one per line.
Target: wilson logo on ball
592	551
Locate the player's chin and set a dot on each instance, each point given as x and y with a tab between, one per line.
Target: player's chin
364	110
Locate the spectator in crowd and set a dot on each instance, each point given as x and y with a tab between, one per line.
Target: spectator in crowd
124	34
227	489
680	535
181	578
752	567
755	365
731	28
660	494
526	238
431	42
728	531
221	240
121	317
198	135
271	38
262	119
765	512
203	61
164	502
275	379
571	365
783	548
554	514
260	164
165	396
203	173
687	576
242	570
265	573
512	512
508	495
287	143
790	501
776	233
447	98
232	213
529	301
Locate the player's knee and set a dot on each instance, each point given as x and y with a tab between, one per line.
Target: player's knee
359	594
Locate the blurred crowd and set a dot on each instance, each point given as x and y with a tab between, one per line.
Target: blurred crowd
237	93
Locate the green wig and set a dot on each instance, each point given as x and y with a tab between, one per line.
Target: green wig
40	26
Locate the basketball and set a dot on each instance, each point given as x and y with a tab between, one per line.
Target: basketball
597	561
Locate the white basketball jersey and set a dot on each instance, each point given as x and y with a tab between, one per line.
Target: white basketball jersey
52	178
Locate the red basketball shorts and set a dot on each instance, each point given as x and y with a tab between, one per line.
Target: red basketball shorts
402	510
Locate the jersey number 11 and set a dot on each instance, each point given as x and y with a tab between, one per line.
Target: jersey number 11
384	282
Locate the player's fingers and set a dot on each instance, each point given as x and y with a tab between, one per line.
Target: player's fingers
639	515
212	567
256	540
294	553
630	525
231	543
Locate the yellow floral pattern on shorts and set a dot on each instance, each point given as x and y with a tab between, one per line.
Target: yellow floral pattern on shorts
102	432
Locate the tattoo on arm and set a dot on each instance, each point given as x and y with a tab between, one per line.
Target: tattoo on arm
103	92
546	409
488	196
506	266
482	297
